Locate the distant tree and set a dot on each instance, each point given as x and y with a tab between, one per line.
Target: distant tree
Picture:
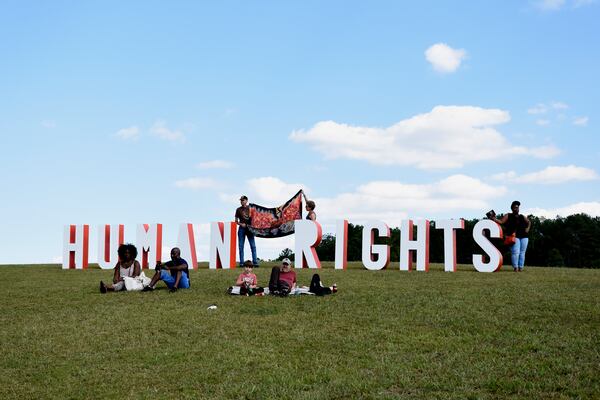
286	253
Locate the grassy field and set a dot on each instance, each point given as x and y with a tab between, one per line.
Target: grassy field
386	334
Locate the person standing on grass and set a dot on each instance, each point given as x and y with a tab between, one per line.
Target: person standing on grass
519	224
283	279
243	220
174	273
127	266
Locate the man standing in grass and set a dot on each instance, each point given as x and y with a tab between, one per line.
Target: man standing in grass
174	273
242	218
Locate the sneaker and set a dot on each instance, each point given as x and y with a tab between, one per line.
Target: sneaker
255	266
173	290
102	287
147	289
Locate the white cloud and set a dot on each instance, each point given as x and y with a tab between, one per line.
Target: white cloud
444	58
580	121
392	201
272	190
590	208
215	164
539	108
161	130
550	5
389	201
197	183
542	122
558	105
542	108
131	133
550	176
446	137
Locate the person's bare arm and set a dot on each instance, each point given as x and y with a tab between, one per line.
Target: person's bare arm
239	281
137	268
181	267
528	224
501	221
117	274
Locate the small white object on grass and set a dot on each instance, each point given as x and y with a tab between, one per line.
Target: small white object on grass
212	307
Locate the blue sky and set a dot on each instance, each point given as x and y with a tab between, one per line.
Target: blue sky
143	112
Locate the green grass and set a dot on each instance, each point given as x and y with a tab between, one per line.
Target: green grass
386	334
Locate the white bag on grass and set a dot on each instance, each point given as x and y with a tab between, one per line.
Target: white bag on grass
136	284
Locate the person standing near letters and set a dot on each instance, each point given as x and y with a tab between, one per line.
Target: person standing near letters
243	220
518	224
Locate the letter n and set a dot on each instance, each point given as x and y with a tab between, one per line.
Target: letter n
223	241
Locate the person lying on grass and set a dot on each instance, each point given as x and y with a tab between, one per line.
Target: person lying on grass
317	287
283	279
247	282
127	266
174	273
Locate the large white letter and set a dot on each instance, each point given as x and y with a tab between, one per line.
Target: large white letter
76	244
341	244
449	226
110	237
149	243
420	246
495	230
375	256
187	245
223	240
308	235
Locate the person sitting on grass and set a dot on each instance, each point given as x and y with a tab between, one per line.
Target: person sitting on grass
317	287
247	283
174	273
127	266
283	279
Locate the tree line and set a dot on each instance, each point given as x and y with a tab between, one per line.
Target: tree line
573	241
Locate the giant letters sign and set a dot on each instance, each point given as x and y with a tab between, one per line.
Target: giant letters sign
308	234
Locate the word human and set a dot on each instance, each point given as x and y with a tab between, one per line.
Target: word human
308	234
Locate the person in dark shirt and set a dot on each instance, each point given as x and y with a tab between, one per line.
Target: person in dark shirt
518	224
243	220
174	273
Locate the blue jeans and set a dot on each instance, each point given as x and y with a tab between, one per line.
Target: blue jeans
242	233
184	282
517	252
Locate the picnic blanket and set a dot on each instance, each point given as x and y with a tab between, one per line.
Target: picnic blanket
275	222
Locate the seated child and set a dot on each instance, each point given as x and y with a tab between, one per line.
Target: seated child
247	282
